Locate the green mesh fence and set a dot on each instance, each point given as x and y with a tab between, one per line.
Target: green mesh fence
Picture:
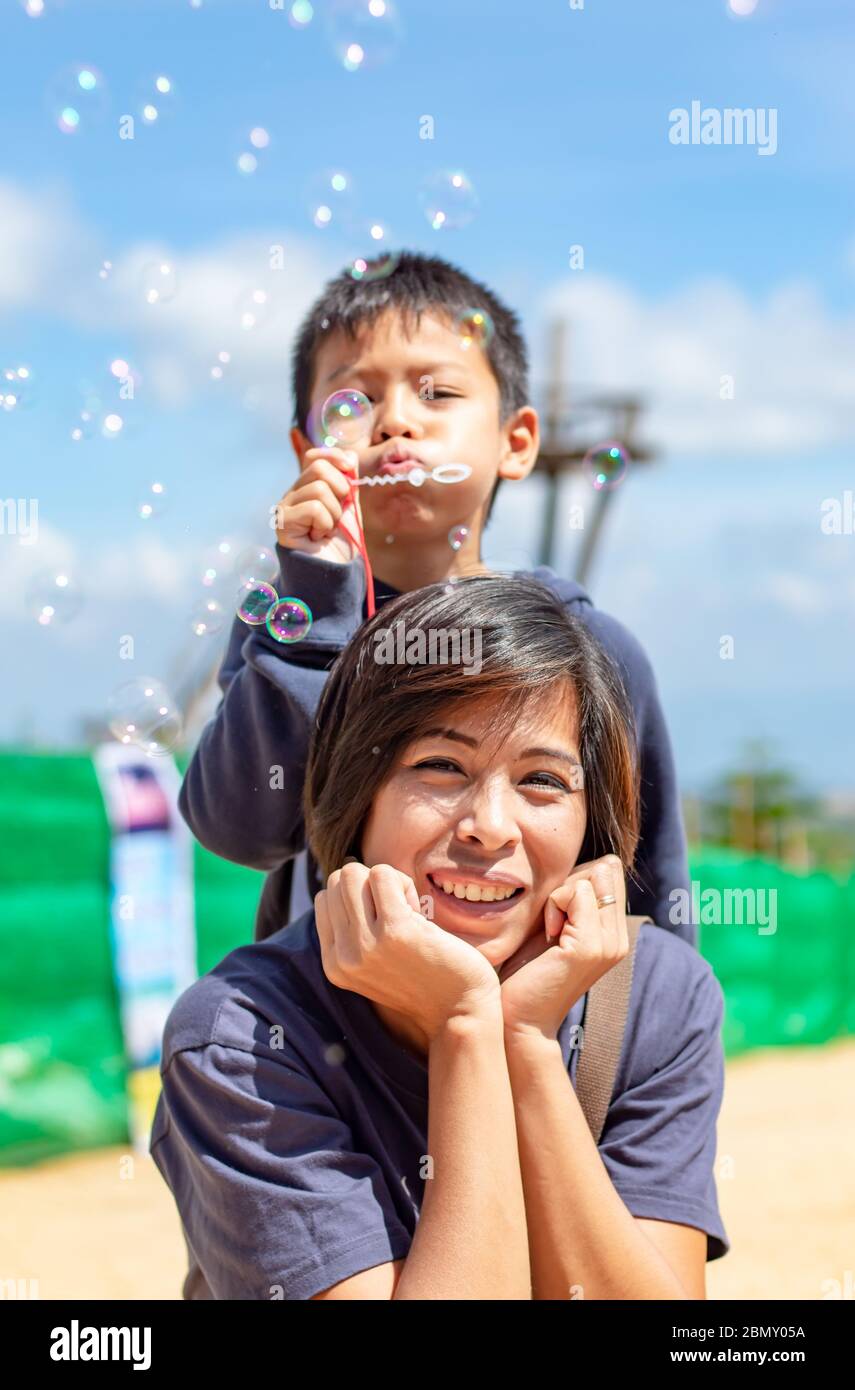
62	1065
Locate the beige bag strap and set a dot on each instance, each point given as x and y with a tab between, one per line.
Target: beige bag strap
606	1010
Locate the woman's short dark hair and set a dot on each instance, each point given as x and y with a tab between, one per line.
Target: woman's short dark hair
531	649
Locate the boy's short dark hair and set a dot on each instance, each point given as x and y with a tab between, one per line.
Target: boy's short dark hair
416	285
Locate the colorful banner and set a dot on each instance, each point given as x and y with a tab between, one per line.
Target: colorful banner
152	927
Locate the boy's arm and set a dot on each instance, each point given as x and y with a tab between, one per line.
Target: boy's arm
242	793
662	863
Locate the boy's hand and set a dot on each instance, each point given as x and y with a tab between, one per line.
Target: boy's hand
579	943
308	516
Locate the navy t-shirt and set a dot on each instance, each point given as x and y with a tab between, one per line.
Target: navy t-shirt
291	1124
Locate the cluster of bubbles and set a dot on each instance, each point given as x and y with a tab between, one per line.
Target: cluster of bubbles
286	619
247	160
16	388
364	33
448	200
153	504
223	360
159	281
53	598
77	97
329	198
155	98
253	307
143	713
606	465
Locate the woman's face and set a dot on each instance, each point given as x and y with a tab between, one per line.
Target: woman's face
461	809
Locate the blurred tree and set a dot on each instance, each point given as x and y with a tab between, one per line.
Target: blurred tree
760	807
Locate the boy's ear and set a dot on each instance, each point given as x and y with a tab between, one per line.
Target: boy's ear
299	443
521	444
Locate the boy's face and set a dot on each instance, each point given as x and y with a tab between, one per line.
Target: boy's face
436	399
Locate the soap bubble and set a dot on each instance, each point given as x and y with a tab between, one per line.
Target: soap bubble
159	281
207	618
448	199
77	98
373	268
255	602
457	536
289	620
474	326
156	98
346	416
142	712
153	504
17	388
218	562
364	33
256	562
330	199
253	307
112	426
300	14
53	598
84	428
606	465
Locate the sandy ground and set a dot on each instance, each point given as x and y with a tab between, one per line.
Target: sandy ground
83	1228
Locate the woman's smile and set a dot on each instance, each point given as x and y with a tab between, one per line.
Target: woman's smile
467	897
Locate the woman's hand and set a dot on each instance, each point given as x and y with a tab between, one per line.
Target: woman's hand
375	942
542	980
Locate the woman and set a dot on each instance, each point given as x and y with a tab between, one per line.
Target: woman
378	1101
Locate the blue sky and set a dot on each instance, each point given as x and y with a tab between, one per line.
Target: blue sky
700	261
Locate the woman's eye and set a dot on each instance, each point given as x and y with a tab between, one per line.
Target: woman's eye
442	764
548	779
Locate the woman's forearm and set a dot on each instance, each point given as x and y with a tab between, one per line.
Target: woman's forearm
471	1240
583	1240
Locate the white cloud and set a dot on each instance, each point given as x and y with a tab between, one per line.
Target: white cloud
50	261
792	362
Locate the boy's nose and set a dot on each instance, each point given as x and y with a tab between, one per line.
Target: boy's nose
392	419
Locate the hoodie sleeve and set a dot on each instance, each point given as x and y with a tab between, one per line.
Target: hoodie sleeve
661	865
242	793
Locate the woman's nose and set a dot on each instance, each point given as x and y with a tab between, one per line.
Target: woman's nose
488	818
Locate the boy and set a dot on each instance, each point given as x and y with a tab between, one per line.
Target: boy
440	393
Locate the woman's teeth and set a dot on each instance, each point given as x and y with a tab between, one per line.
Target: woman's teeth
475	894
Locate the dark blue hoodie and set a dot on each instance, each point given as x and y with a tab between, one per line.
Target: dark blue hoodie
242	795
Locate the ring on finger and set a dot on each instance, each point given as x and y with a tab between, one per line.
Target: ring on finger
606	900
